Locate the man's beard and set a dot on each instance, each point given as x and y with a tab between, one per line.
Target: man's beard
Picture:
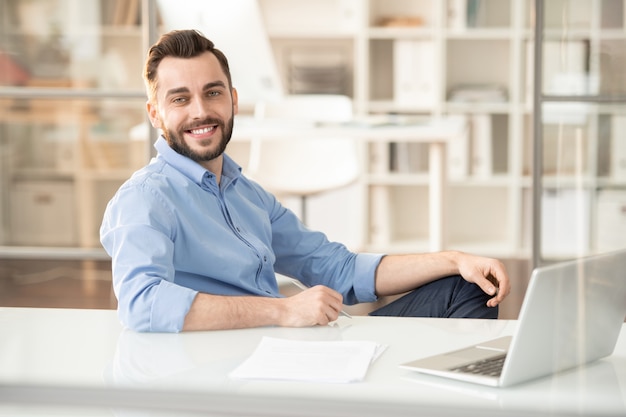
177	143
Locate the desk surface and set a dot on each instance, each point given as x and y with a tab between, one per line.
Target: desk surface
84	358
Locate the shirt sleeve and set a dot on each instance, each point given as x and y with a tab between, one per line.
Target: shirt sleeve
137	232
310	257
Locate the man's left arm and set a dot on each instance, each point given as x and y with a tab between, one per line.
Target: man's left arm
397	274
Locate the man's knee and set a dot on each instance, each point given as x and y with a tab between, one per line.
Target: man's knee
448	297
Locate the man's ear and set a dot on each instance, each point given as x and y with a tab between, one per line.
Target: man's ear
235	97
153	114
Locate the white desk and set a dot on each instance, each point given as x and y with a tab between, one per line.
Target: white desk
436	132
84	358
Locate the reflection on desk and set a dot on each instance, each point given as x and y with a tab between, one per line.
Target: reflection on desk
83	359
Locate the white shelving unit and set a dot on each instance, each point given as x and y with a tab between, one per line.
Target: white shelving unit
408	58
456	44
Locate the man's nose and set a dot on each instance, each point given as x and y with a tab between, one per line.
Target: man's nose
198	109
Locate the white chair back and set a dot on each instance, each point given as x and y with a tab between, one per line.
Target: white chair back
304	166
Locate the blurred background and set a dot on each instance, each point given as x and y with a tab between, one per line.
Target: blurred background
538	175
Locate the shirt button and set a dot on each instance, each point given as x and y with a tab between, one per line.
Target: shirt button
265	259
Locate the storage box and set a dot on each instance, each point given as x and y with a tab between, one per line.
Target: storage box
43	213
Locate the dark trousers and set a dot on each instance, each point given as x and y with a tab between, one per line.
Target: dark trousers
449	297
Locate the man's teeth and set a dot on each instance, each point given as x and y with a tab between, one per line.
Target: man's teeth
201	131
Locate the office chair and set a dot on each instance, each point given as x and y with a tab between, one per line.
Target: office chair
304	167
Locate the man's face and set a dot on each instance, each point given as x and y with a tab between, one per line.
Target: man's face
194	106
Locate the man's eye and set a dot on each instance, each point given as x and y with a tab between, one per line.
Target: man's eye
213	93
179	100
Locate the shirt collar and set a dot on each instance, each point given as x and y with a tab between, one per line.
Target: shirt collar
196	172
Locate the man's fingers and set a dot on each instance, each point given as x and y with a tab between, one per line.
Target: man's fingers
498	289
494	287
318	305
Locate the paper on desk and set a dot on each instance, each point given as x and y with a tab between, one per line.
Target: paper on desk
316	361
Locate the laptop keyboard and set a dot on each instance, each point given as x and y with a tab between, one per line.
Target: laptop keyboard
488	367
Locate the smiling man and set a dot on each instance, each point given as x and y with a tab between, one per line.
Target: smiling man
201	113
196	245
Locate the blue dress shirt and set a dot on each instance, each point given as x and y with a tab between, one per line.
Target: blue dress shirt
172	232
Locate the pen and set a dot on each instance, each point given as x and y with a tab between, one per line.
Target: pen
304	287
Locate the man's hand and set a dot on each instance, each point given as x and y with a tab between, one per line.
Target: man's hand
489	274
318	305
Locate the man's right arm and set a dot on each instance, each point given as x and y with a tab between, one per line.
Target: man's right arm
315	306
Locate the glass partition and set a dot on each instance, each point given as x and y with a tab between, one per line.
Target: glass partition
61	161
580	127
583	200
71	44
72	113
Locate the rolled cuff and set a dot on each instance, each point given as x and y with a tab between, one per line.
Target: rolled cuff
364	276
171	305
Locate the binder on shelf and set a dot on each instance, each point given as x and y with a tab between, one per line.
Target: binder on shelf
134	12
380	233
482	153
612	17
380	158
475	13
459	156
500	143
408	157
618	147
414	75
564	149
610	220
565	67
565	220
457	15
123	12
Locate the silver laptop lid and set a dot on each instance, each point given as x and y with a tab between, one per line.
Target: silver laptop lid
572	314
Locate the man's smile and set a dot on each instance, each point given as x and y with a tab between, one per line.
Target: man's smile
201	130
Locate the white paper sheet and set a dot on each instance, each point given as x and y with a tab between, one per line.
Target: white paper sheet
316	361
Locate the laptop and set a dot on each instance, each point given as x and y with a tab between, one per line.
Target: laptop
572	314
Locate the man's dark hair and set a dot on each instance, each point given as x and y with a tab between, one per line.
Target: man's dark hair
179	44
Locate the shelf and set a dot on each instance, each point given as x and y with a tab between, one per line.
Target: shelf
398	179
400	246
400	33
307	33
496	248
25	174
503	181
106	174
390	106
38	252
477	107
480	34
